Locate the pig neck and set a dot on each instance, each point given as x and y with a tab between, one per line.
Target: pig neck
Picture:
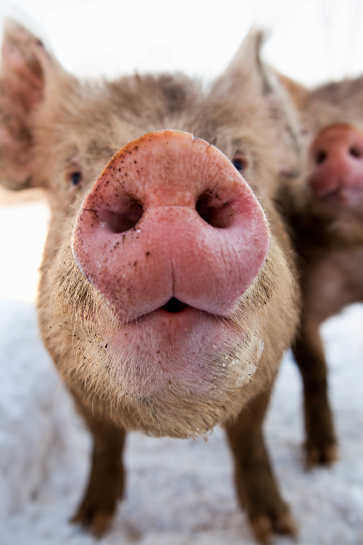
317	238
318	249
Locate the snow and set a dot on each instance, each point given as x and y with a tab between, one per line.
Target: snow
178	492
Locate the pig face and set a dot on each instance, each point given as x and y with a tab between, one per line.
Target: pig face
336	178
329	194
167	291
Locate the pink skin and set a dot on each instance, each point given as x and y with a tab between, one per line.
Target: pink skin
180	347
141	240
338	174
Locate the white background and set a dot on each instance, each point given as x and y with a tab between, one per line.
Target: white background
311	40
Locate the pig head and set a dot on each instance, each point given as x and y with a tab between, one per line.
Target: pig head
167	292
329	191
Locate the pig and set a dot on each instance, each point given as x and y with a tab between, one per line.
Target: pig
324	207
168	289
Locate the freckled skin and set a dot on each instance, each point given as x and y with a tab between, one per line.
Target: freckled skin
198	343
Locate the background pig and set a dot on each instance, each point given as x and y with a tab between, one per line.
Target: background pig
325	210
167	291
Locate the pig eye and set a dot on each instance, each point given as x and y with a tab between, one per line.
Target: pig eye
75	177
239	163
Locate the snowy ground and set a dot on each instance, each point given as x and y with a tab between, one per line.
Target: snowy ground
179	492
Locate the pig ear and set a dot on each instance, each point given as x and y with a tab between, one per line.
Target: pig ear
27	69
248	78
245	67
298	93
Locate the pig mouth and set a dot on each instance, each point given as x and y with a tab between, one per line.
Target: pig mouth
341	197
174	306
351	197
175	344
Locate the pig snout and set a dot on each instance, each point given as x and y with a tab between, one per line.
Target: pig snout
170	223
337	153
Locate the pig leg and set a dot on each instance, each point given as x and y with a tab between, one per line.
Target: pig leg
321	442
106	479
256	487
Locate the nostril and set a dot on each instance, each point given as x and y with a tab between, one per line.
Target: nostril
320	157
355	152
215	210
174	305
125	217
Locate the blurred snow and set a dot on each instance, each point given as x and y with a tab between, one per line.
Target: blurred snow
179	492
23	230
311	40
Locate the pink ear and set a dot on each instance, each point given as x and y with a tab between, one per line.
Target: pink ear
25	68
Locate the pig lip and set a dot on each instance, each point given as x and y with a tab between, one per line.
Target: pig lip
171	310
348	197
178	347
170	317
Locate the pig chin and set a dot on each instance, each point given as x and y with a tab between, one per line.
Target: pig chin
169	372
191	348
344	207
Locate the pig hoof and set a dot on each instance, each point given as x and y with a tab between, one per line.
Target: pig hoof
323	454
265	526
93	519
